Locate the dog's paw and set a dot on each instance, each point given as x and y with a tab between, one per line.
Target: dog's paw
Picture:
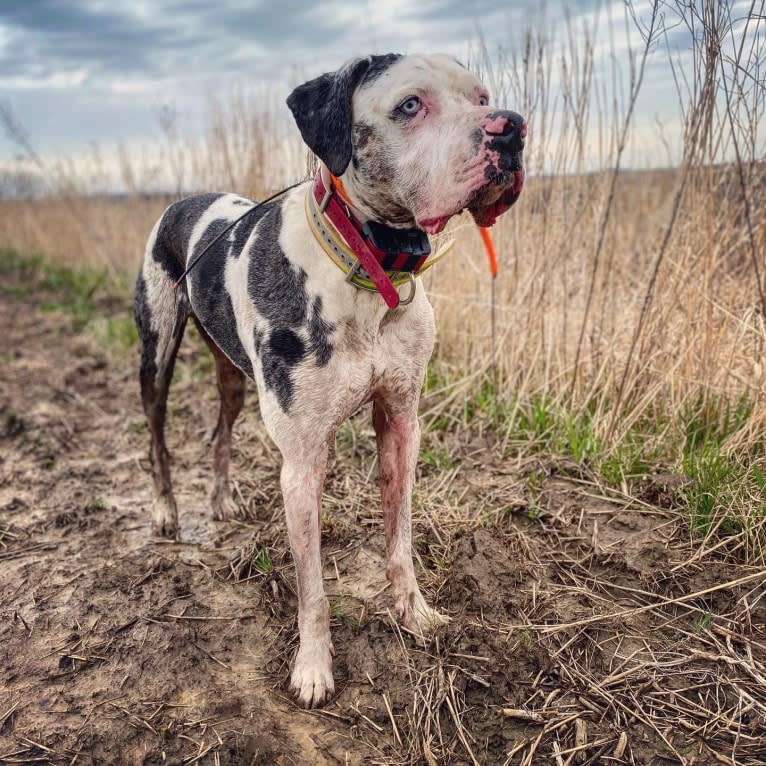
223	505
165	517
417	616
312	681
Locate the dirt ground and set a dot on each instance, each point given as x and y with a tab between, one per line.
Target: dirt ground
583	628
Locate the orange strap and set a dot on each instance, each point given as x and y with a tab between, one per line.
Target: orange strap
489	246
338	185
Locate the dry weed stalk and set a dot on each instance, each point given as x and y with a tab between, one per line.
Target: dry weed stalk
662	258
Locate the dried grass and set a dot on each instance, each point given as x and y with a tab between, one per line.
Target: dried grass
625	299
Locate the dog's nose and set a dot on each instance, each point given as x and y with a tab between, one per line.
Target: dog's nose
509	127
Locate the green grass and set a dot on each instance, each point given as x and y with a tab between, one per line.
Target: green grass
72	292
541	425
721	492
261	560
633	458
55	288
436	455
704	623
725	491
341	609
712	420
75	292
118	333
486	403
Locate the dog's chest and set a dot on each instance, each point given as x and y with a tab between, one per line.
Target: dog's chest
383	360
285	316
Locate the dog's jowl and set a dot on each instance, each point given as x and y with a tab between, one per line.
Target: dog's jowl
315	297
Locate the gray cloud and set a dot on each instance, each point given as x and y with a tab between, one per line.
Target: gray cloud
48	37
81	70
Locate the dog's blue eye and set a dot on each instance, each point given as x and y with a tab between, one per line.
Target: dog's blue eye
411	106
483	100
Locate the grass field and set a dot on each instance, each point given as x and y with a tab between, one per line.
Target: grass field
590	501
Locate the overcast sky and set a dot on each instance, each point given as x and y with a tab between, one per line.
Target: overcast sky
75	72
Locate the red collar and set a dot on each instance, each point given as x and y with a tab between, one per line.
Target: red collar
403	251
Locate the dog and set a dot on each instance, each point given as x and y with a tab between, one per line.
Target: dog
404	142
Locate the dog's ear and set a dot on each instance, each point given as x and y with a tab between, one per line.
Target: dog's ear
322	109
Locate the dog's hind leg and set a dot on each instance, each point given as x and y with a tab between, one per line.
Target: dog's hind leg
231	388
161	314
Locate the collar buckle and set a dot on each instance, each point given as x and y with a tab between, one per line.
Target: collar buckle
413	287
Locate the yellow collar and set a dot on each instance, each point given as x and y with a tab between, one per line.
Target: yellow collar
344	258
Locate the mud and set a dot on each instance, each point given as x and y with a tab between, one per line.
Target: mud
120	648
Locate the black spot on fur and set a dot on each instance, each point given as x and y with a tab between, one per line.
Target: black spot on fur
371	160
477	135
142	316
319	332
286	344
212	303
155	380
278	291
175	231
284	350
213	306
374	167
236	239
322	111
362	134
379	65
294	327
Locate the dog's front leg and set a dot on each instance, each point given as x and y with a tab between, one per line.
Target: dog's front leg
398	437
302	490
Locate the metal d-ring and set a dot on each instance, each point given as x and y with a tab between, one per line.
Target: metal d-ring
352	272
413	287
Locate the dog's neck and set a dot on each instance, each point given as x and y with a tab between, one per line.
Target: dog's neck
394	239
368	203
373	256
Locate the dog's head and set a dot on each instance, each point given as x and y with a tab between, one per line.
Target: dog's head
415	139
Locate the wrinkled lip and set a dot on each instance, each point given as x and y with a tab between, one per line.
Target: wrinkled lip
435	225
491	201
493	191
486	204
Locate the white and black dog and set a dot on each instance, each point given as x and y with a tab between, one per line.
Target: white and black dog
415	142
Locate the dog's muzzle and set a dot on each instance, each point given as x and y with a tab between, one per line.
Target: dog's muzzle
506	132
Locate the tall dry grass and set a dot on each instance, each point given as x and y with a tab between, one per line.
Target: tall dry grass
626	297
